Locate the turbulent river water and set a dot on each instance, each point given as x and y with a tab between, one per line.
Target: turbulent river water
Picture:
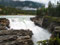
24	22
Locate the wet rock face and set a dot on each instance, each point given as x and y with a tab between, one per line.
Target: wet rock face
16	37
4	23
37	21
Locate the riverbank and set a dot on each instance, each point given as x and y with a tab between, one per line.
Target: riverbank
47	22
19	15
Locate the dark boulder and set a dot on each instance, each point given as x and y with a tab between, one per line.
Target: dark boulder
4	23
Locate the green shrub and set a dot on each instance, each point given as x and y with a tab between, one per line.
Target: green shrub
52	41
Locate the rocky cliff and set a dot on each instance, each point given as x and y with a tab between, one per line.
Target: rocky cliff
47	22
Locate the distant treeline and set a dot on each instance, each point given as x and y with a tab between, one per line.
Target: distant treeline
51	10
13	11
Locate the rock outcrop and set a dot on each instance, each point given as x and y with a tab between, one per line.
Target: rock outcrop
16	37
56	32
37	21
4	23
50	23
47	22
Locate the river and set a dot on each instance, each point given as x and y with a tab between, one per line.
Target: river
24	22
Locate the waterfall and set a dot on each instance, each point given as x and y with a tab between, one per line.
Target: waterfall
24	22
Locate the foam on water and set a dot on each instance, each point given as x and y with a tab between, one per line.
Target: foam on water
25	23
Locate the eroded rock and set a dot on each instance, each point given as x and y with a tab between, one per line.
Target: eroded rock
4	23
16	37
16	32
37	21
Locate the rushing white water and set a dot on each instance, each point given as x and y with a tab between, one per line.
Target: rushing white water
24	22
